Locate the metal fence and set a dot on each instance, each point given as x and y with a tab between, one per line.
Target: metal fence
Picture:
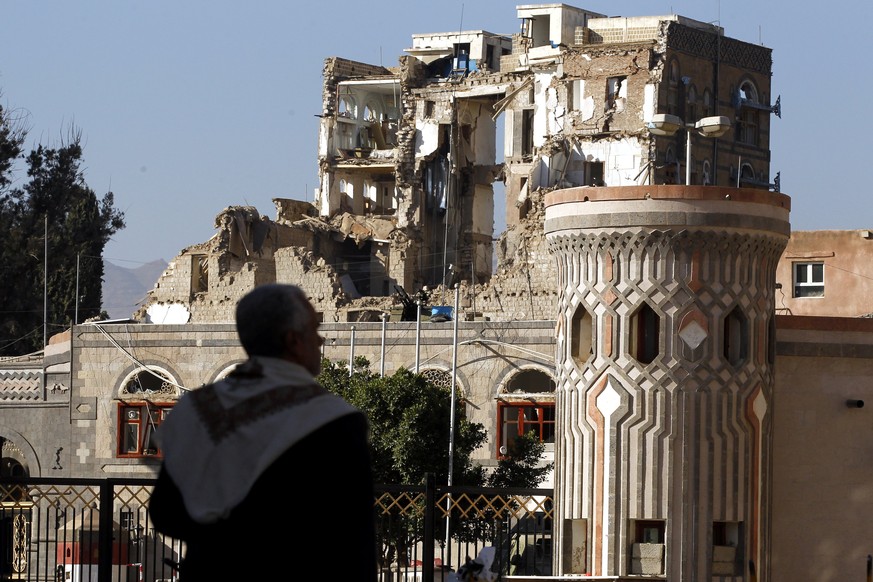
55	530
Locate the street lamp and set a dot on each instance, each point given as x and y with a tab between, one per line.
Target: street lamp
666	124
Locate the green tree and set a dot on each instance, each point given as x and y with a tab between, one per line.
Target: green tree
409	424
56	199
409	438
521	467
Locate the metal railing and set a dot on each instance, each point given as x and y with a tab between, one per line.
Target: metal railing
54	530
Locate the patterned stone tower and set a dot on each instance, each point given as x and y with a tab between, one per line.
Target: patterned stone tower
665	373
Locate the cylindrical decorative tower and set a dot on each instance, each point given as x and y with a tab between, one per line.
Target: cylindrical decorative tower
664	360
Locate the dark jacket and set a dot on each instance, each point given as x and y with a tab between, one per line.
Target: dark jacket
309	516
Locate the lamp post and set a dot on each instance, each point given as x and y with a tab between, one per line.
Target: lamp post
666	124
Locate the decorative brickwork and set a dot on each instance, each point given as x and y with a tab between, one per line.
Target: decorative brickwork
702	402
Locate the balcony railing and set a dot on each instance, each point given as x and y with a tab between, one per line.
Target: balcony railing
54	530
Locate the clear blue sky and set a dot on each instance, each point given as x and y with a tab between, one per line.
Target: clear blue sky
187	107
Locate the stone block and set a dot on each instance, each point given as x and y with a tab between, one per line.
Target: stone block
724	553
647	551
647	566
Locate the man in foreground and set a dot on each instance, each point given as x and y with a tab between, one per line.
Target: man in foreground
266	475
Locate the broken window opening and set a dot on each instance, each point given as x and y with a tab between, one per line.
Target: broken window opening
531	381
748	92
363	139
462	63
364	266
347	107
372	112
527	141
540	27
593	173
435	179
346	192
361	268
199	274
148	381
616	93
492	58
383	195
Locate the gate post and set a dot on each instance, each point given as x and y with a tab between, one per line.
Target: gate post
104	541
429	509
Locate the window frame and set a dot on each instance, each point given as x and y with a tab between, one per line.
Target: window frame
747	127
148	413
545	418
811	282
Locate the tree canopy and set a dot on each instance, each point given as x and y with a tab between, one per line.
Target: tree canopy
54	201
410	421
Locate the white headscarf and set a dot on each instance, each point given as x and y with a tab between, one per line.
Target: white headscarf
219	439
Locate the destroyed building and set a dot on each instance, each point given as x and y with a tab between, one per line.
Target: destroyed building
409	163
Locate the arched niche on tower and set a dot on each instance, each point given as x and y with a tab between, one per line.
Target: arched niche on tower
645	334
582	339
735	337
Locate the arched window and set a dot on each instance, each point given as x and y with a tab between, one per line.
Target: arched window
147	396
347	195
707	103
225	372
372	112
747	175
12	463
347	107
691	104
438	377
148	380
673	89
748	118
707	173
748	92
